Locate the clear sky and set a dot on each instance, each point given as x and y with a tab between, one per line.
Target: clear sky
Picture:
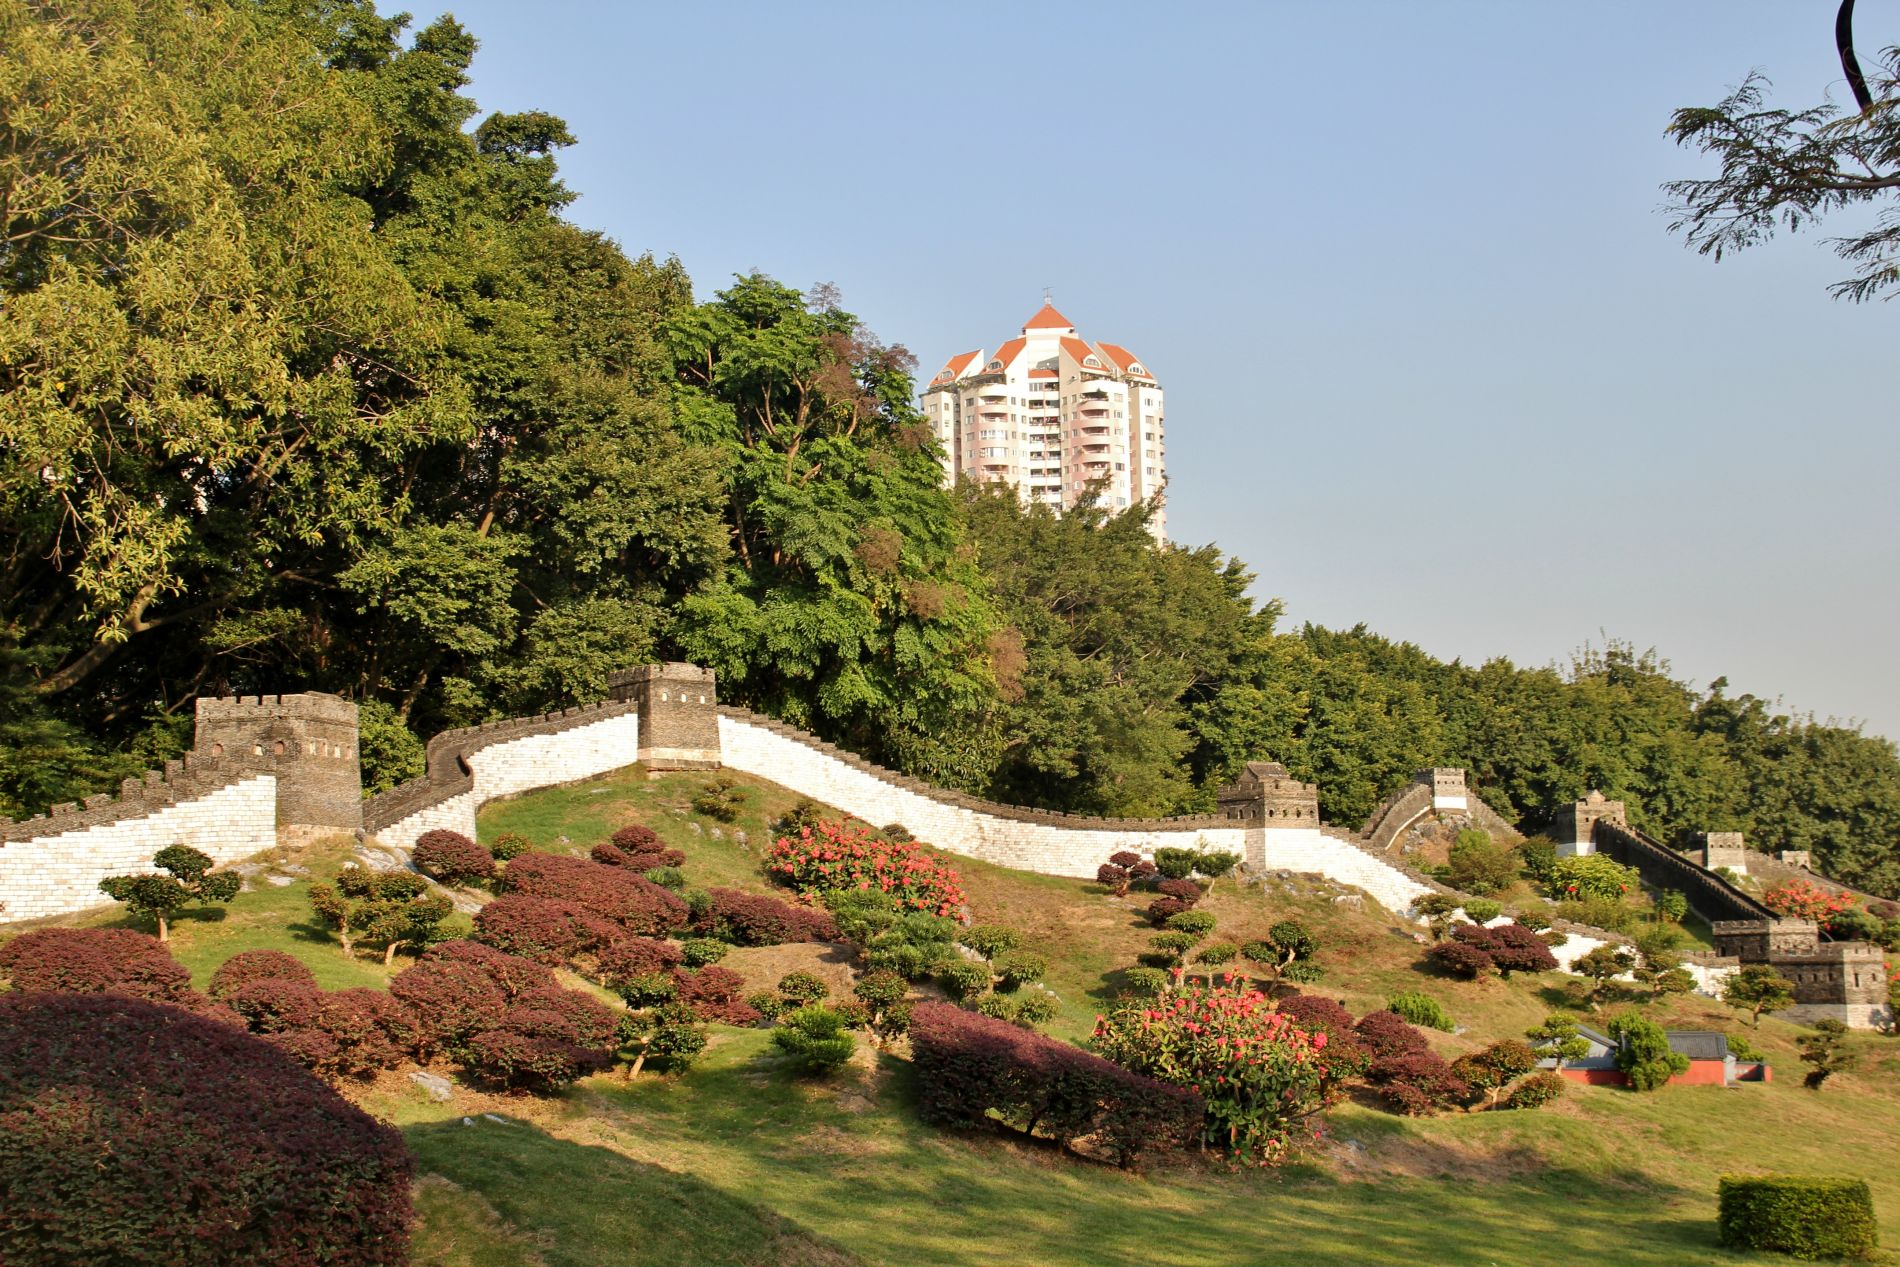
1433	362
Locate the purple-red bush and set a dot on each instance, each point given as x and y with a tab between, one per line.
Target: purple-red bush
1185	892
715	994
1417	1083
348	1032
546	930
1346	1056
257	965
637	860
452	858
275	1005
1474	950
1125	859
969	1065
628	957
1385	1033
147	1135
751	919
614	893
1460	958
1163	909
635	838
95	960
448	997
545	1038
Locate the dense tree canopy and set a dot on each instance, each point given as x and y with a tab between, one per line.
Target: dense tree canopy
307	383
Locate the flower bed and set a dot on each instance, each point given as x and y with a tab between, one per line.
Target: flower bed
842	856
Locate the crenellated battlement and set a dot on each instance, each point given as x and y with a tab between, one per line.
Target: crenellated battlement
310	740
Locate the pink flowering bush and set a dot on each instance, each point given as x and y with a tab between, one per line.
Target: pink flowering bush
1258	1072
1802	899
846	856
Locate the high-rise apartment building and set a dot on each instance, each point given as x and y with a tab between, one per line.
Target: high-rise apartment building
1050	413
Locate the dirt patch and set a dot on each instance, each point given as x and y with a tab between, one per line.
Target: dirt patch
762	966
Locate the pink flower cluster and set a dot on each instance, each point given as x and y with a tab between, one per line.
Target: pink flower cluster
847	856
1802	899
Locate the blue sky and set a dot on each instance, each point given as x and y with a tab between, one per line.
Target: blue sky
1433	362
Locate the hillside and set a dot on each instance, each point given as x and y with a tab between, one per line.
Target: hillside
735	1162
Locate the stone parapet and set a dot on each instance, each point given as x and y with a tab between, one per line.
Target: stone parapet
1708	894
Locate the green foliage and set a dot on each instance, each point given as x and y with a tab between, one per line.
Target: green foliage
188	879
804	813
1482	910
1672	906
1592	875
1535	1091
509	844
815	1039
1643	1052
1439	910
1797	1215
990	940
1602	965
1558	1037
1421	1009
1169	949
1304	972
391	752
668	1034
1740	1048
1492	1069
1196	924
1758	988
1033	1010
1174	864
700	951
1020	969
1824	1053
722	799
914	945
1215	863
800	988
1479	865
767	1004
1292	940
393	908
1217	953
965	980
1537	855
1145	980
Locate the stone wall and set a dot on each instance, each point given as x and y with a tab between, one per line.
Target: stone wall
1708	894
52	865
470	767
1442	791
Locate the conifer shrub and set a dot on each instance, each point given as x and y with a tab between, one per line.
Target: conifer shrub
722	798
700	951
1799	1216
814	1038
1535	1091
546	930
715	994
1017	970
1419	1008
1643	1052
752	919
508	846
965	980
1482	910
1174	864
147	1135
93	961
452	858
800	988
257	965
612	893
969	1066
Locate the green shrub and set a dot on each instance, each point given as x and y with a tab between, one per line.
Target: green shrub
1020	969
768	1005
1437	910
1535	1091
814	1038
701	951
1533	920
1421	1009
1740	1048
1482	910
800	988
722	799
1216	953
1195	923
1643	1052
1215	863
1477	865
805	812
990	940
1303	972
1799	1216
1592	875
1537	855
896	832
510	844
1034	1009
965	980
1170	948
668	878
1174	864
1145	980
999	1007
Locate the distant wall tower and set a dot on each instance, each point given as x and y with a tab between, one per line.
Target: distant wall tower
678	706
1267	795
1575	827
309	741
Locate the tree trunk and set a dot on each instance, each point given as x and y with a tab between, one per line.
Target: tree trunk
164	932
389	952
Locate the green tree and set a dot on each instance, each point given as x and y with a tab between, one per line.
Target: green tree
1757	988
1602	965
1558	1037
1492	1069
1824	1053
188	879
1643	1052
1479	865
393	908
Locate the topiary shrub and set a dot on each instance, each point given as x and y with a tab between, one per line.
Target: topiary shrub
612	893
767	1004
1185	892
969	1067
1193	923
1419	1008
1144	981
95	960
452	858
800	988
722	799
509	845
188	878
637	838
1482	910
714	994
1168	949
257	965
146	1135
700	951
814	1039
1535	1091
965	980
669	1034
1163	909
990	940
1020	969
752	919
1643	1052
1034	1009
545	930
1798	1216
644	859
1491	1070
1387	1034
1174	864
1305	972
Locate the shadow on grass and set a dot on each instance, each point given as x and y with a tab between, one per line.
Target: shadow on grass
584	1206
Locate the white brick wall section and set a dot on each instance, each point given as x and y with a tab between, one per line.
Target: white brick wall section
1044	847
60	874
1308	849
520	765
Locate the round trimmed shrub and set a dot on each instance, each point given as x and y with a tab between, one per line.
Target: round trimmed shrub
1163	909
700	951
1020	969
543	929
93	961
452	858
1145	980
1800	1216
767	1004
637	838
1482	910
147	1135
714	994
1387	1034
1180	890
965	980
800	988
635	957
1535	1091
1420	1009
990	940
1034	1009
1193	923
1302	972
815	1039
613	893
509	845
258	965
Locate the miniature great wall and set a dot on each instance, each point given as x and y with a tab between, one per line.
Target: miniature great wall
268	769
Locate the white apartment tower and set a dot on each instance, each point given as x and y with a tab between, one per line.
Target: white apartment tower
1050	413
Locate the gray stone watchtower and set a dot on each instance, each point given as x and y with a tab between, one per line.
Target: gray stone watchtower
1267	795
309	742
678	706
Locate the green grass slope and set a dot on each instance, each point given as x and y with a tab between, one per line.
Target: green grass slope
738	1162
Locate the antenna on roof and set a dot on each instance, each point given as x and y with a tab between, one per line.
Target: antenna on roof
1047	297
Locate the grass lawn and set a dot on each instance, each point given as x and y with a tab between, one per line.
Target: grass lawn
738	1163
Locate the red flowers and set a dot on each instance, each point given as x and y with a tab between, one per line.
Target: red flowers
847	856
1801	899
